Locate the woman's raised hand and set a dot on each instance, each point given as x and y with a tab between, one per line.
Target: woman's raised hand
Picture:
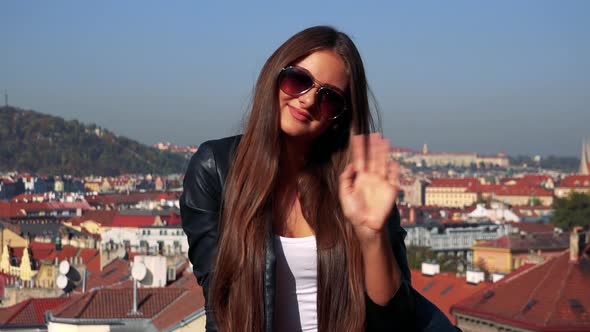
369	185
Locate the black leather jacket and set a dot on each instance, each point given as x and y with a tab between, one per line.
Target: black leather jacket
199	206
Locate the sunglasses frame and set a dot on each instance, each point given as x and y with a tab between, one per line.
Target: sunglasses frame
315	84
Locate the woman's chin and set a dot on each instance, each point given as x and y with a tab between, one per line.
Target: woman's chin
295	128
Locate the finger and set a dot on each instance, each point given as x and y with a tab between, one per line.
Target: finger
383	159
373	151
346	179
393	174
358	152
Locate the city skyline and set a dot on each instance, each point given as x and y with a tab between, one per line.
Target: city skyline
464	77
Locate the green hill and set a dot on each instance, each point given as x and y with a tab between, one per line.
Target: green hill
46	144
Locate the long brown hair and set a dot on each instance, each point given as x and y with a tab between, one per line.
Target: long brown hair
237	285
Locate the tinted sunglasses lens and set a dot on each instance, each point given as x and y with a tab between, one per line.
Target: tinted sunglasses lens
330	102
294	81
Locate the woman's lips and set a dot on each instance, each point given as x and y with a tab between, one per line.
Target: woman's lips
299	114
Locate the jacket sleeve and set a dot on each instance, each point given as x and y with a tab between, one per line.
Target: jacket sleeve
199	208
407	310
398	313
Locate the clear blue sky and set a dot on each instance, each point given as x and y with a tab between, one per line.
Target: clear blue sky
459	75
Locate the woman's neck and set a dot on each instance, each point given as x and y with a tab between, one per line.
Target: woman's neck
293	155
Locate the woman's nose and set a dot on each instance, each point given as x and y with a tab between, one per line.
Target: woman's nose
307	99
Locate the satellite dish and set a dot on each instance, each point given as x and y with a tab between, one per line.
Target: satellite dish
138	271
62	281
64	267
68	278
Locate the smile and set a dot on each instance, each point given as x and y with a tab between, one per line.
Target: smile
299	114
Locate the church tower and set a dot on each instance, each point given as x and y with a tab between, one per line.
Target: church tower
585	158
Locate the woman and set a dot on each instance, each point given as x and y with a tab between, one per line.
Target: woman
292	226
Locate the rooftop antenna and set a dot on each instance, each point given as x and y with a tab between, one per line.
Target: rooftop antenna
68	277
6	98
138	272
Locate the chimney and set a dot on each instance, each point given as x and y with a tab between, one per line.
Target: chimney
475	277
430	269
578	240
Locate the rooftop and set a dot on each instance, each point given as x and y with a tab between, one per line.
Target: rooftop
552	296
444	289
29	312
164	307
515	242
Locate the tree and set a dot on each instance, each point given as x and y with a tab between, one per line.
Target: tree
417	255
535	201
482	265
572	211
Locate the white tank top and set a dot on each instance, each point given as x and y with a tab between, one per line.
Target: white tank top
296	284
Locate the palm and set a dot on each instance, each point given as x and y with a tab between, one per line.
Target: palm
368	186
368	201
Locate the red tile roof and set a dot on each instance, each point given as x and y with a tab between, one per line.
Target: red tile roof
12	209
519	189
532	227
186	281
576	181
116	273
99	200
455	183
116	303
445	289
537	178
490	187
87	256
164	306
188	303
552	296
103	217
523	190
133	220
529	180
29	312
4	209
133	198
539	241
41	246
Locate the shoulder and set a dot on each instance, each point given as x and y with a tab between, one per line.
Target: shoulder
212	153
221	145
206	173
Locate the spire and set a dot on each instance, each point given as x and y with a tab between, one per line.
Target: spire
585	158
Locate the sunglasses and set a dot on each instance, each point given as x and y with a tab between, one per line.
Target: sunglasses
296	81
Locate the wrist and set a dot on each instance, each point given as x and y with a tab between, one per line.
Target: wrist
370	241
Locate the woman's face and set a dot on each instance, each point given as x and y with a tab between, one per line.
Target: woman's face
298	116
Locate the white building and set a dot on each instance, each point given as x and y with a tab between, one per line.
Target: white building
498	213
453	238
167	240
